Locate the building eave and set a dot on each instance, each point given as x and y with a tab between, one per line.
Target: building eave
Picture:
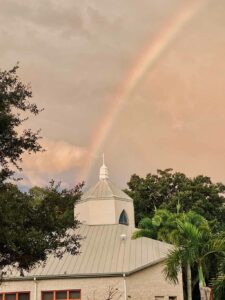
80	276
105	198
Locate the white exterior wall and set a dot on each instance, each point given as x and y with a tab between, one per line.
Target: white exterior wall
96	212
142	285
101	212
81	212
104	211
150	282
91	288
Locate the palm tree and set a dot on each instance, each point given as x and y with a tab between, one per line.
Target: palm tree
194	249
218	283
192	239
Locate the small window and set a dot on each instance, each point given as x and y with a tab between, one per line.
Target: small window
74	295
24	296
172	298
47	295
10	296
123	218
15	296
61	295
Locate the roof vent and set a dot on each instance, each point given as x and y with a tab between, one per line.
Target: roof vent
123	236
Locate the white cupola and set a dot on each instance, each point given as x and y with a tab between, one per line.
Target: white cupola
104	203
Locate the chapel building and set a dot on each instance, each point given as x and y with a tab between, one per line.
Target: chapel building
110	262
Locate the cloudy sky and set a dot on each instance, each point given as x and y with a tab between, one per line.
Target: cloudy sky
78	55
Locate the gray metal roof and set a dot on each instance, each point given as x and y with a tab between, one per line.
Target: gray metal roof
105	189
103	252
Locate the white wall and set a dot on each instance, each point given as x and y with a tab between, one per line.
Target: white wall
142	285
104	211
101	212
91	288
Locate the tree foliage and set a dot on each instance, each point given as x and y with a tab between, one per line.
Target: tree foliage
194	243
36	223
166	189
40	221
14	103
218	283
163	225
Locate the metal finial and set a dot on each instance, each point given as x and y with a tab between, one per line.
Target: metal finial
104	172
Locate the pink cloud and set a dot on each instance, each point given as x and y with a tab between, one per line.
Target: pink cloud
59	157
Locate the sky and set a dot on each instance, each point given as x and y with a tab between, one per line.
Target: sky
142	81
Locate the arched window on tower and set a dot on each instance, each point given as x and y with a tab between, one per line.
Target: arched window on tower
123	218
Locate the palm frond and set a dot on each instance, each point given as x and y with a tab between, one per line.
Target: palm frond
173	264
190	233
218	285
143	233
145	223
216	245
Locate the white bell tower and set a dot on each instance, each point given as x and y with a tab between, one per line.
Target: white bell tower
105	204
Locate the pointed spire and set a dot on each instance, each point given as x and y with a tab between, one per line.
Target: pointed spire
104	172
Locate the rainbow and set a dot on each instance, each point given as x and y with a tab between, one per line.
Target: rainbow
143	65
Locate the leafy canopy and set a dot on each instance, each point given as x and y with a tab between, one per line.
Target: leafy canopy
14	101
163	225
218	282
40	221
194	244
166	189
36	223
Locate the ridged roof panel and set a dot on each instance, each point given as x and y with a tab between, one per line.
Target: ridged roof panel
104	189
103	251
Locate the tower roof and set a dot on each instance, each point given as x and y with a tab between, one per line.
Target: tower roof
104	188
